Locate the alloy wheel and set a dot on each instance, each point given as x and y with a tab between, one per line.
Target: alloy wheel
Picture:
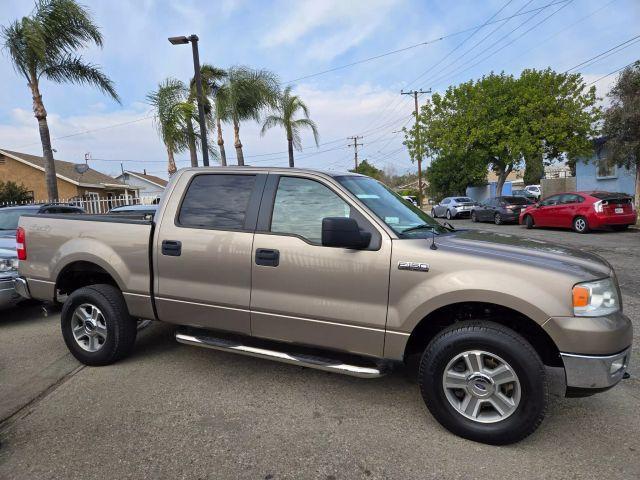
481	386
89	327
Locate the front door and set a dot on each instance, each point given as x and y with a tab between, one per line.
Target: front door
203	252
305	293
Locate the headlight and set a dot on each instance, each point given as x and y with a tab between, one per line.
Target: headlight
8	265
595	299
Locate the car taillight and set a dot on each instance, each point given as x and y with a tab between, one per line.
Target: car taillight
598	206
21	245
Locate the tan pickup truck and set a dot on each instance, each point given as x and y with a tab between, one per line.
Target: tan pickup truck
337	272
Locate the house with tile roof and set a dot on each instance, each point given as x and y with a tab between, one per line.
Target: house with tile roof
149	186
75	181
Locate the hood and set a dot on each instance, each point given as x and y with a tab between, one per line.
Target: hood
537	252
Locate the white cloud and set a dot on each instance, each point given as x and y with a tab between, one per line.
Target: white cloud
349	24
338	113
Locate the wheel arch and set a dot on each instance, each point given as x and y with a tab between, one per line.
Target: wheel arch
439	319
81	273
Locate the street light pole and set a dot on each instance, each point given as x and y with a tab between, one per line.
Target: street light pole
196	67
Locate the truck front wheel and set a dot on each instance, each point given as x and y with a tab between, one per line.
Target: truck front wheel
96	325
484	382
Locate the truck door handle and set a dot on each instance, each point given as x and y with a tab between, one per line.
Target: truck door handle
267	257
171	248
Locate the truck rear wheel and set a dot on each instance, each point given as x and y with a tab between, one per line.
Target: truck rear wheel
96	325
484	382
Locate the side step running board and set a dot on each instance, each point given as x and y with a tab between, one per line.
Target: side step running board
301	359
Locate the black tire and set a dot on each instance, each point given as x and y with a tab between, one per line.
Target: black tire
448	215
619	228
474	217
505	343
528	221
497	219
580	225
121	328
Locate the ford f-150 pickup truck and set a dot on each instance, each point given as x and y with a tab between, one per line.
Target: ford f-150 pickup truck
337	272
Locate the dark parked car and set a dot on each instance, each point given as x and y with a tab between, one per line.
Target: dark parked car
500	209
523	193
9	217
146	212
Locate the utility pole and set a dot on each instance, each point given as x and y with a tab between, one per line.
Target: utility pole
415	94
355	146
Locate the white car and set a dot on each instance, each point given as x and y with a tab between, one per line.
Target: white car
533	190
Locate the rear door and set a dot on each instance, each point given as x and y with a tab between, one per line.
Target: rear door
203	250
567	209
307	293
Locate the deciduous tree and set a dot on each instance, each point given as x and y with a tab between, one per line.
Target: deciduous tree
622	123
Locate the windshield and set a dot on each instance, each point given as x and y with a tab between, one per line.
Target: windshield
463	200
9	218
390	207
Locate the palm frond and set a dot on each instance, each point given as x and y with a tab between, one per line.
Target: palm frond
67	26
75	70
270	122
172	110
307	123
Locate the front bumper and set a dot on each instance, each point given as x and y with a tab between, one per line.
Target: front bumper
595	372
8	294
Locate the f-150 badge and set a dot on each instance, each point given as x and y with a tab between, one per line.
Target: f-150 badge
418	267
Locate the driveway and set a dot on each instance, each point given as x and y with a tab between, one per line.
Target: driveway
174	411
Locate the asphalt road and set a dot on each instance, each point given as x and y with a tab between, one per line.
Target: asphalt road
174	411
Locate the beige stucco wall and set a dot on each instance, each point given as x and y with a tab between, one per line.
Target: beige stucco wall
33	179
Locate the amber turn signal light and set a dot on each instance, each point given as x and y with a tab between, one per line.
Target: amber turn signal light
580	296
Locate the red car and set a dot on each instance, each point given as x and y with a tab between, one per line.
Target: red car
582	211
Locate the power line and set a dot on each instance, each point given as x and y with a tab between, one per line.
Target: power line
476	29
84	132
416	45
457	71
605	52
612	73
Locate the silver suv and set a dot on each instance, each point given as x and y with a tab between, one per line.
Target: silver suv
452	207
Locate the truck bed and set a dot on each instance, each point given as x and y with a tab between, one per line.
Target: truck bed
120	246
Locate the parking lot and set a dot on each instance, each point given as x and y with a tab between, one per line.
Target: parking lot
174	411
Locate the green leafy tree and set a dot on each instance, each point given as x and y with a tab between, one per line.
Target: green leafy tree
365	168
502	121
451	175
622	123
244	96
11	192
173	110
43	45
286	109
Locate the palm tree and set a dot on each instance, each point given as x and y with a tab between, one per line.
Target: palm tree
246	93
287	106
213	79
43	45
173	111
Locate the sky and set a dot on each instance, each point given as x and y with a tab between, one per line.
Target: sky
461	40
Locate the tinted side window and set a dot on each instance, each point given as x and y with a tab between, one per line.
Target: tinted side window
445	201
570	198
216	201
301	204
551	200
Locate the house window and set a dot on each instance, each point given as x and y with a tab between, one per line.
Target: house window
605	168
